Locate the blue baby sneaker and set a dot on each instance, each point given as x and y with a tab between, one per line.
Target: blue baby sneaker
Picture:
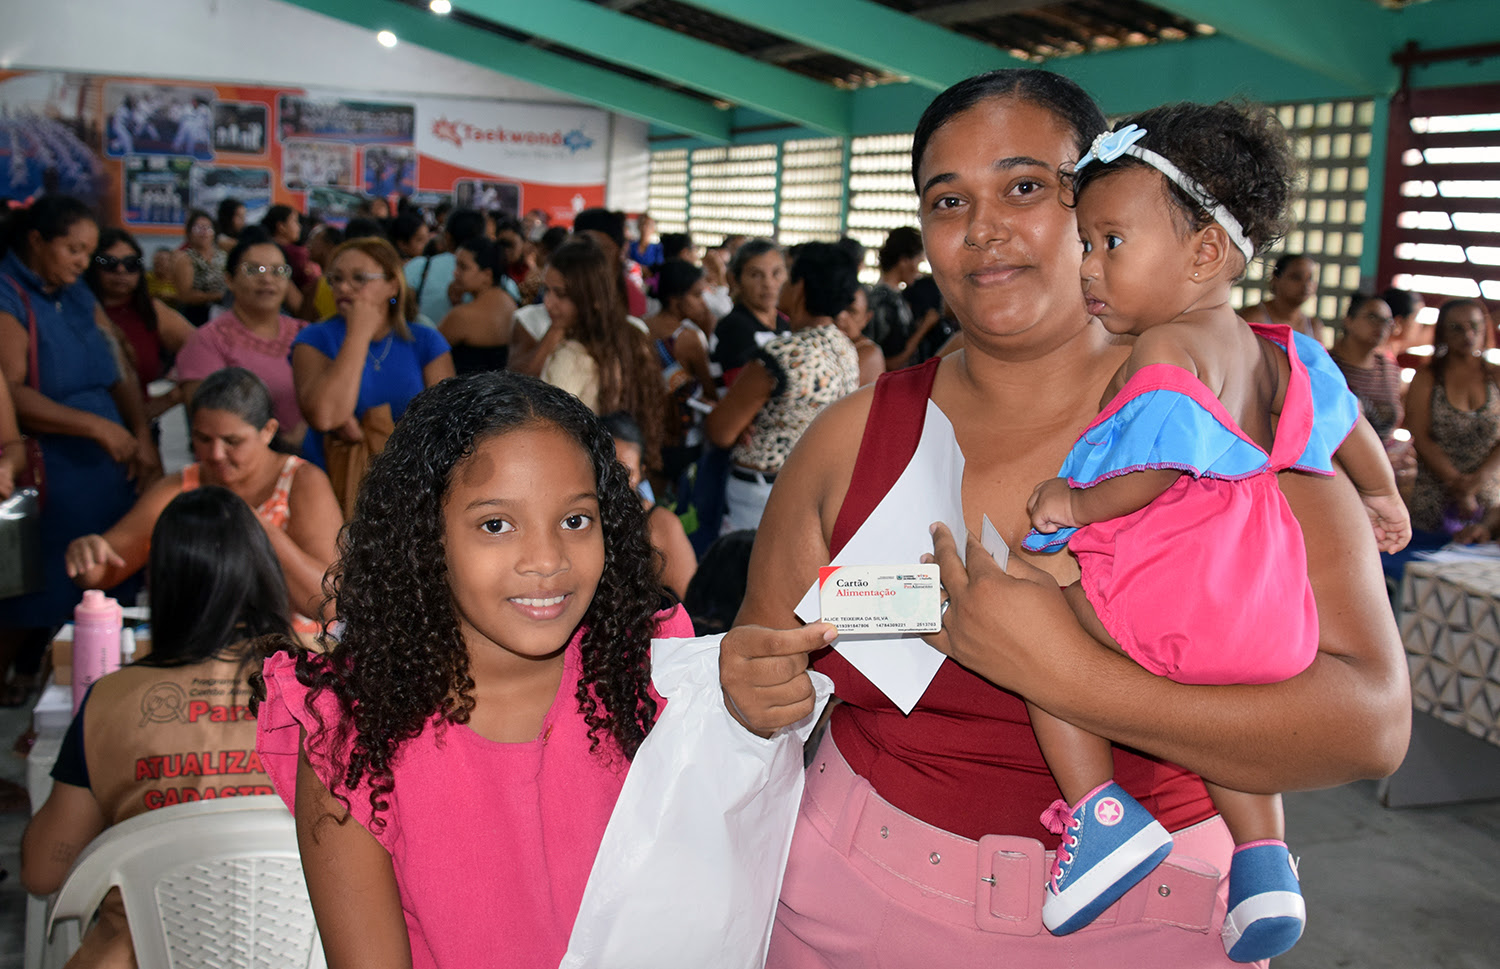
1266	912
1109	842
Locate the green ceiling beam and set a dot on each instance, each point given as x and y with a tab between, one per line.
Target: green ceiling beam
645	47
870	34
595	85
1348	40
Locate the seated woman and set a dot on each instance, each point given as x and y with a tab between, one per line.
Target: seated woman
1294	281
788	382
217	587
367	356
198	269
255	334
1453	413
232	428
153	331
1374	377
479	330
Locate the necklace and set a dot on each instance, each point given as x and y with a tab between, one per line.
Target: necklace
389	341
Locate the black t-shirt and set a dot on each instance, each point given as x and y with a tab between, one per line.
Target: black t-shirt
71	767
734	336
890	320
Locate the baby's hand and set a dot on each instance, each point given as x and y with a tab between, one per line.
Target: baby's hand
1051	506
1390	519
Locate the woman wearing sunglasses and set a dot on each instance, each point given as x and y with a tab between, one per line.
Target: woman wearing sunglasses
255	334
152	331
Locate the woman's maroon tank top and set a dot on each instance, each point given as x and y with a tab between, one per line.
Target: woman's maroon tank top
965	759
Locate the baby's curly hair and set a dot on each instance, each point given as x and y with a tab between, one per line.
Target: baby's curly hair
1237	151
400	659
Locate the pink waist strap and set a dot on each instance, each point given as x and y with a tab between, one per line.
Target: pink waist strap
997	882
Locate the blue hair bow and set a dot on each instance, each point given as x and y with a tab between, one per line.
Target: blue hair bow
1111	145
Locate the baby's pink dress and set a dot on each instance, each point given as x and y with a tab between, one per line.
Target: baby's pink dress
492	843
1208	583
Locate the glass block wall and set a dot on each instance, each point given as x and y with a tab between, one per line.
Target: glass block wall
880	193
1332	140
667	190
816	189
812	191
733	191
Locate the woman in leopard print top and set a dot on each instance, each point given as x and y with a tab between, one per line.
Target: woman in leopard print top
789	381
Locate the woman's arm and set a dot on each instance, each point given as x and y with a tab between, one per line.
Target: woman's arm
12	451
104	561
1347	717
679	561
739	405
145	463
871	361
914	342
309	544
39	414
328	390
763	660
66	823
350	880
172	327
438	369
692	352
1419	422
295	297
529	355
182	278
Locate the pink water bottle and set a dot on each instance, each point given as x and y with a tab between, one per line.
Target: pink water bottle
96	641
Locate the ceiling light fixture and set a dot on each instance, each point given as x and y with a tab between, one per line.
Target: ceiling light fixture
440	7
386	38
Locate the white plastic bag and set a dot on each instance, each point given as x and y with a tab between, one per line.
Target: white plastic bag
691	863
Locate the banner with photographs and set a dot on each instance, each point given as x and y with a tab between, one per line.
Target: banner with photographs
157	189
336	119
240	127
146	151
313	164
159	119
209	185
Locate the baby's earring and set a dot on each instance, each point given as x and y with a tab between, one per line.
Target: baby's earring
393	299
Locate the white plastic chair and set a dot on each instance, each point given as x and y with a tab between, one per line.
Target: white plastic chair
206	885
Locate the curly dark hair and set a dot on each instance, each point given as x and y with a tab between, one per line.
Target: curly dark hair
1238	152
401	660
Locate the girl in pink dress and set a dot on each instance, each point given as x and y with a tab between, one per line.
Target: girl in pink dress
476	717
1192	562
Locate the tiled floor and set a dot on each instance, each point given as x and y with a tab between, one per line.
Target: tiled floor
1410	889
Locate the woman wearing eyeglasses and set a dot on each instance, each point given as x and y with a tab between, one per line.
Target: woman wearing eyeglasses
153	331
255	334
367	356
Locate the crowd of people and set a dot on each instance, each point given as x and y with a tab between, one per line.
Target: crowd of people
453	470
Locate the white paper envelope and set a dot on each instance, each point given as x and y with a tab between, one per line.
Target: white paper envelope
929	490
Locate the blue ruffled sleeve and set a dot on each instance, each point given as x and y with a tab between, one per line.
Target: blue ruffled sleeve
1163	418
1335	408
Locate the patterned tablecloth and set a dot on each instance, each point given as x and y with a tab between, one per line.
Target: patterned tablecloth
1450	624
